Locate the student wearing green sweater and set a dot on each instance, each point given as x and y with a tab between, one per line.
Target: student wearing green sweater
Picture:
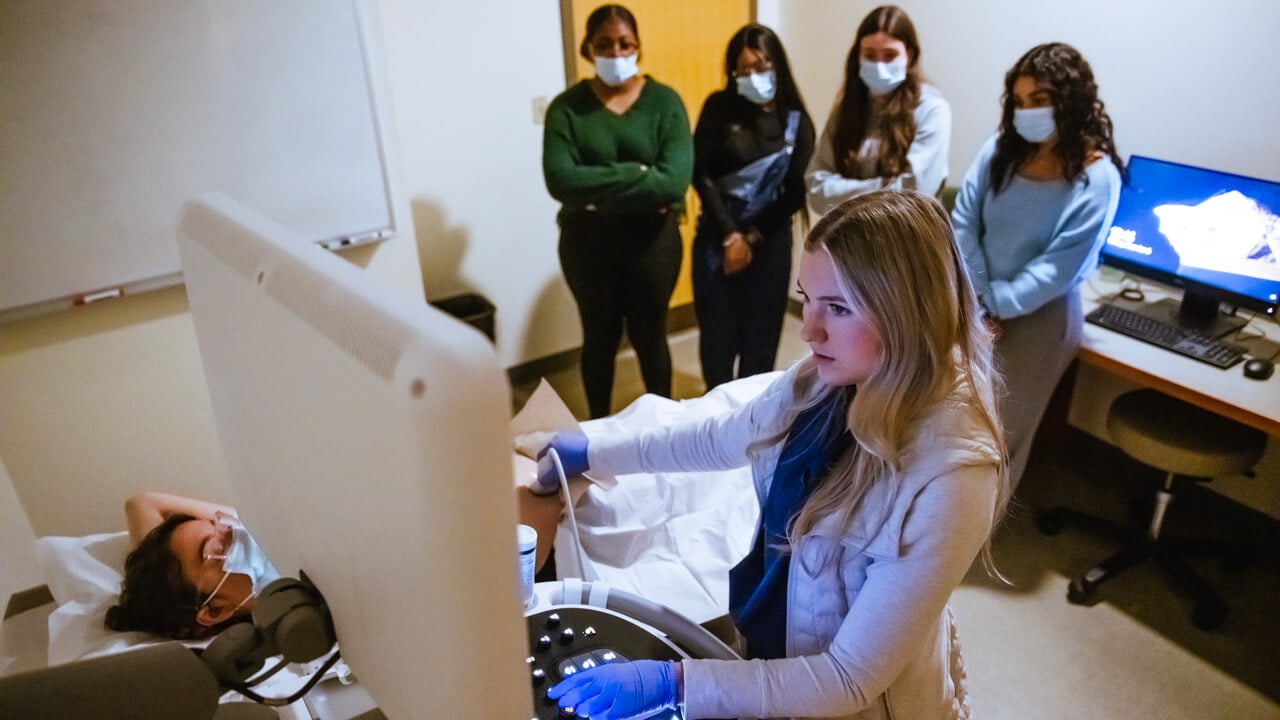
617	153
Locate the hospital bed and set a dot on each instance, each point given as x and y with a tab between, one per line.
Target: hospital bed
415	458
668	538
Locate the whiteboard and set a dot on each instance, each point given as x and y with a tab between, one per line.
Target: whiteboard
113	113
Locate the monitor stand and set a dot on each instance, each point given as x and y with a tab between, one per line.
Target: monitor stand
1195	312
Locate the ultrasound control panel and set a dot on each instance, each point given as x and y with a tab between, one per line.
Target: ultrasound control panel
567	639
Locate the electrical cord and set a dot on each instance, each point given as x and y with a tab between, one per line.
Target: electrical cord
1131	291
314	680
1247	332
568	503
262	676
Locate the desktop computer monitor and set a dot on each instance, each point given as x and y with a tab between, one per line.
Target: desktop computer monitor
1213	234
367	445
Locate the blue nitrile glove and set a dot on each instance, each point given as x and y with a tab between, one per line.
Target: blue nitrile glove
572	449
619	691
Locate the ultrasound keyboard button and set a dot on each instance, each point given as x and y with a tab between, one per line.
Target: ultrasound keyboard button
604	657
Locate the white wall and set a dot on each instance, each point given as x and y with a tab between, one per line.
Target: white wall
97	403
108	399
464	78
1183	80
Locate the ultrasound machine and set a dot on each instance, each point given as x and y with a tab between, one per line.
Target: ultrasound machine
367	443
1214	235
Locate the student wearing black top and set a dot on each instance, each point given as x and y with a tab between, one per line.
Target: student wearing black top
751	146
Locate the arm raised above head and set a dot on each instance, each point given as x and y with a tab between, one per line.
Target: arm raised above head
144	511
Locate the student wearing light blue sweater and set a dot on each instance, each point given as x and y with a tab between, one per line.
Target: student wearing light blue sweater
1029	217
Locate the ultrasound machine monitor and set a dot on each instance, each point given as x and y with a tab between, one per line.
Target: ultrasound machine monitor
368	447
1213	234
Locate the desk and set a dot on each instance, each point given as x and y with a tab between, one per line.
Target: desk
1111	364
1226	392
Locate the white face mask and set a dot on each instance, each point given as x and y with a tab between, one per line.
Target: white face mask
759	88
883	77
613	71
1035	125
244	557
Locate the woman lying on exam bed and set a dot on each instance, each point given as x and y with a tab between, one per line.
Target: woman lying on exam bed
193	570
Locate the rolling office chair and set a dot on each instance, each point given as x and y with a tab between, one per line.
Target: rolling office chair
1182	440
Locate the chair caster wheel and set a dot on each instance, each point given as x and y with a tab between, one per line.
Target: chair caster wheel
1049	522
1080	592
1209	615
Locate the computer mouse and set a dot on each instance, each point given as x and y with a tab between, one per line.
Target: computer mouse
1258	368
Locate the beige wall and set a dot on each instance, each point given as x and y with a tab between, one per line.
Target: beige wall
465	79
97	403
18	568
1170	92
108	399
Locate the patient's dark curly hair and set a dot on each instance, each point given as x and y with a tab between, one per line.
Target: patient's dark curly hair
154	597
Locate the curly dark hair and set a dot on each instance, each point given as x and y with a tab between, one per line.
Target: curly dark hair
897	120
1083	126
154	596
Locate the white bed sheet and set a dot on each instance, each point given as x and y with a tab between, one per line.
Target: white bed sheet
668	537
84	575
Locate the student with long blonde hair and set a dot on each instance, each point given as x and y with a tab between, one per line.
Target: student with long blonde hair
880	471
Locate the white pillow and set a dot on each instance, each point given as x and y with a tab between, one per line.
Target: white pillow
84	576
83	569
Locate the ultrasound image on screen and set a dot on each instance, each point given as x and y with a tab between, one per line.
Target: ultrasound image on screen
1215	228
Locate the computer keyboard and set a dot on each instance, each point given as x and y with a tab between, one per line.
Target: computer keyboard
1166	335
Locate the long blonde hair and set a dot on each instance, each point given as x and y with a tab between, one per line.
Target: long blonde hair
898	264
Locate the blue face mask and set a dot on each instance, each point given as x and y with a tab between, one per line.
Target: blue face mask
240	555
883	77
613	71
1035	125
759	88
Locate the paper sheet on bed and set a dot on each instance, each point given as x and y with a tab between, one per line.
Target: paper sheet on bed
668	537
543	414
83	575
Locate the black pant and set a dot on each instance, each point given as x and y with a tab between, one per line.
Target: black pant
621	268
739	316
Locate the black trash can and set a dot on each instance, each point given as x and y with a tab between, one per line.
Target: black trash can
473	309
